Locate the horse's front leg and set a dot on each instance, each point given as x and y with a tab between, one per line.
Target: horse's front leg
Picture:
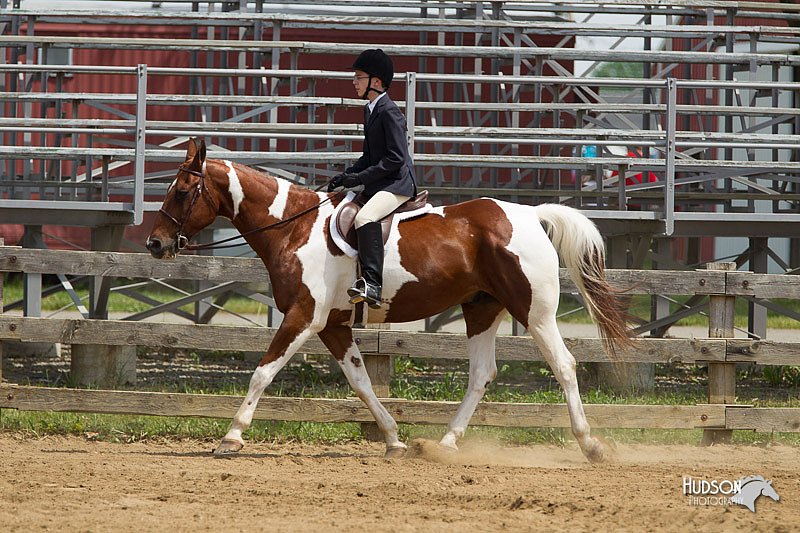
287	340
339	340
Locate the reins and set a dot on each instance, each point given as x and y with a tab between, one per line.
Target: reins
183	241
216	244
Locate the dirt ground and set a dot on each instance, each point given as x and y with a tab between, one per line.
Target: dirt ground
73	484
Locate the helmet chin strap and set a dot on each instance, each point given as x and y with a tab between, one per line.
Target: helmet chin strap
370	88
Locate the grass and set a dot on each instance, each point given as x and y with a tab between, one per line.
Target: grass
415	380
120	303
133	428
518	382
569	311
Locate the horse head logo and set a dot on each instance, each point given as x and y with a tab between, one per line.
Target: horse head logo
751	488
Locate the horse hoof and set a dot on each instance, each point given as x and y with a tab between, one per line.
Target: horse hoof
447	447
596	453
395	452
228	447
596	456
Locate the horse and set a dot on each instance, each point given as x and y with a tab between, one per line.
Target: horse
492	258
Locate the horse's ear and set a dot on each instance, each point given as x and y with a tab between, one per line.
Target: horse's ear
191	149
202	150
196	153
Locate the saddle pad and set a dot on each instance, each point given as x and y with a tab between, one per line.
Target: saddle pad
339	239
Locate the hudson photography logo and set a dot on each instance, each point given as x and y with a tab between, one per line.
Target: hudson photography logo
744	491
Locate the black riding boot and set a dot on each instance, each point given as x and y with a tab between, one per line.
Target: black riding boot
367	288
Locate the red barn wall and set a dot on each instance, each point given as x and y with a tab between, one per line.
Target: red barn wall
119	84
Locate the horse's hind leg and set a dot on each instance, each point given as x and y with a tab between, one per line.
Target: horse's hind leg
561	361
483	317
339	340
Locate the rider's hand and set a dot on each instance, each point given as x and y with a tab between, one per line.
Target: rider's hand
335	182
350	181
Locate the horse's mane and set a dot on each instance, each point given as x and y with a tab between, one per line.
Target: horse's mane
260	173
748	479
264	175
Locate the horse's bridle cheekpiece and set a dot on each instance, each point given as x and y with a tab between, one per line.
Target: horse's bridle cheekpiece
181	239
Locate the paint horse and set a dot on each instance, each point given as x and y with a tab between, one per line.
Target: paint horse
490	257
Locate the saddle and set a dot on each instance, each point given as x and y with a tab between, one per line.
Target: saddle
346	216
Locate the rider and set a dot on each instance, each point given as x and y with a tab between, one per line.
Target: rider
385	169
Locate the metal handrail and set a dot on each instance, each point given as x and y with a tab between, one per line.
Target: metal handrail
667	141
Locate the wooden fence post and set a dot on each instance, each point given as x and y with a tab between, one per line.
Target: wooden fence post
721	376
102	365
632	377
379	368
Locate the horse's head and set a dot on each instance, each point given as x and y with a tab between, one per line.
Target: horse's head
768	490
188	207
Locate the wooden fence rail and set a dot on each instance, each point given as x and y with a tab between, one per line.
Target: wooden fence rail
224	269
386	343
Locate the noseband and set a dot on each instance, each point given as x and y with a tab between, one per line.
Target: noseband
181	239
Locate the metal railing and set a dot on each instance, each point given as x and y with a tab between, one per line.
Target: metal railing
667	142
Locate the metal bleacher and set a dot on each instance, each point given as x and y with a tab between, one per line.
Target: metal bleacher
493	103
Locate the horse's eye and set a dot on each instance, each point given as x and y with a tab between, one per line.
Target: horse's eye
180	195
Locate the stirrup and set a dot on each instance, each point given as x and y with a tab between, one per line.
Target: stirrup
360	292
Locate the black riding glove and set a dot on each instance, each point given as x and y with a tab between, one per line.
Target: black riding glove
350	181
335	182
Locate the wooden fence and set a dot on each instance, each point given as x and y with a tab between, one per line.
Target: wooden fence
719	351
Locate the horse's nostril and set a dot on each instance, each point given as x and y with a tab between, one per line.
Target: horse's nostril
153	245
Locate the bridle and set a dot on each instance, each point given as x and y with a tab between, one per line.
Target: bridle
182	240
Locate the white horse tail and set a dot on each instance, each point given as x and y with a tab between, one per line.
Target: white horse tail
581	248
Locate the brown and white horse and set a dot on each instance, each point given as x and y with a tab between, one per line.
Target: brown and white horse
490	257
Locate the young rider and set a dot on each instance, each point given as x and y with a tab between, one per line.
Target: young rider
385	169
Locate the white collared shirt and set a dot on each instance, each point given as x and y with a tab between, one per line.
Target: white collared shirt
372	104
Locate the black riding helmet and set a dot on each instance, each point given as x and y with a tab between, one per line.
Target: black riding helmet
376	63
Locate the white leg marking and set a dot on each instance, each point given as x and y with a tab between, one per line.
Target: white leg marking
234	188
260	380
278	205
561	361
353	367
539	262
482	371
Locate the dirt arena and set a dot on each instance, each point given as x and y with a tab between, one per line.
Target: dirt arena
71	484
